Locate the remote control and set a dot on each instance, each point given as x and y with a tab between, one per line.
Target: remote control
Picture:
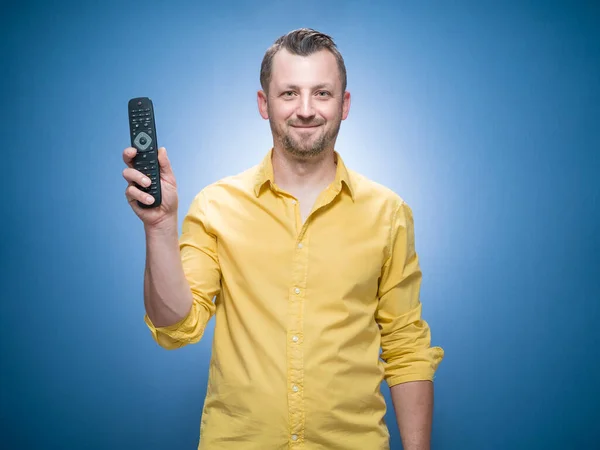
143	137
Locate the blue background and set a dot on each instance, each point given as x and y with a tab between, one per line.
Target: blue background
483	116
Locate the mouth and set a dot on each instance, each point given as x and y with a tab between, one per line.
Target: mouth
305	126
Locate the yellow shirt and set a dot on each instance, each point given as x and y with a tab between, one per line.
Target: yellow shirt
302	311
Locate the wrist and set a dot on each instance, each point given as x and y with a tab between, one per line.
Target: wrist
165	228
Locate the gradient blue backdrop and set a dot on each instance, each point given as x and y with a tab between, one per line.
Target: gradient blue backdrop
483	116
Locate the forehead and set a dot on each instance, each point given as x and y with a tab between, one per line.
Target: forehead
317	68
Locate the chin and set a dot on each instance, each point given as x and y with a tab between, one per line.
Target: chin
303	152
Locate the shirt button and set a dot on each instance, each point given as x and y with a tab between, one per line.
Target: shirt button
300	245
295	338
293	202
297	290
294	437
295	388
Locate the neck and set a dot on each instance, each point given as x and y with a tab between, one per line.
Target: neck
295	174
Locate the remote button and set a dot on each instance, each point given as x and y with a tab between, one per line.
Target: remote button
142	141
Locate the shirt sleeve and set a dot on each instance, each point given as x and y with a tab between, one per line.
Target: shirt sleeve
405	336
198	250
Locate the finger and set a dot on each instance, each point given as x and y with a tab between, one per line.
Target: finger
132	194
135	176
129	198
128	155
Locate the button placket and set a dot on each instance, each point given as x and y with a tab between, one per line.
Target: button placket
295	361
296	378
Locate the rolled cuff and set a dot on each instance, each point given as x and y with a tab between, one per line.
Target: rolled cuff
188	330
418	366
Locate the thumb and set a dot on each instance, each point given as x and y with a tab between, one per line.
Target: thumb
163	161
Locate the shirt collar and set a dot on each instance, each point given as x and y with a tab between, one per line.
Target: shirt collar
265	175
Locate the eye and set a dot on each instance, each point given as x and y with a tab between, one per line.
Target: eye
323	93
288	93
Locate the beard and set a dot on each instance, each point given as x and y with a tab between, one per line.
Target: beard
309	145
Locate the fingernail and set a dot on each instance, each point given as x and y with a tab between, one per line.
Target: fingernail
149	199
146	181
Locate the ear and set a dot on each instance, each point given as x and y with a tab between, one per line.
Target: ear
345	105
261	98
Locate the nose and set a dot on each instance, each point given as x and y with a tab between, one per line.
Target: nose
305	108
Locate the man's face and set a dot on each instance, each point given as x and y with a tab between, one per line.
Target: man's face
305	104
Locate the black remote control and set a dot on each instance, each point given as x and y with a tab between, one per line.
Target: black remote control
143	137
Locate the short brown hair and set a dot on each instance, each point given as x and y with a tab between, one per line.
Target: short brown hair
302	42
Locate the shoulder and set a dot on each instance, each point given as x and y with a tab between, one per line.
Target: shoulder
232	186
368	190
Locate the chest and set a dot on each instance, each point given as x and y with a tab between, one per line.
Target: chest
338	252
306	202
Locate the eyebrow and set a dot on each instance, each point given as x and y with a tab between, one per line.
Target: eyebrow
318	86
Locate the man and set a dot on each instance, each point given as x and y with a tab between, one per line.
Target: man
312	269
